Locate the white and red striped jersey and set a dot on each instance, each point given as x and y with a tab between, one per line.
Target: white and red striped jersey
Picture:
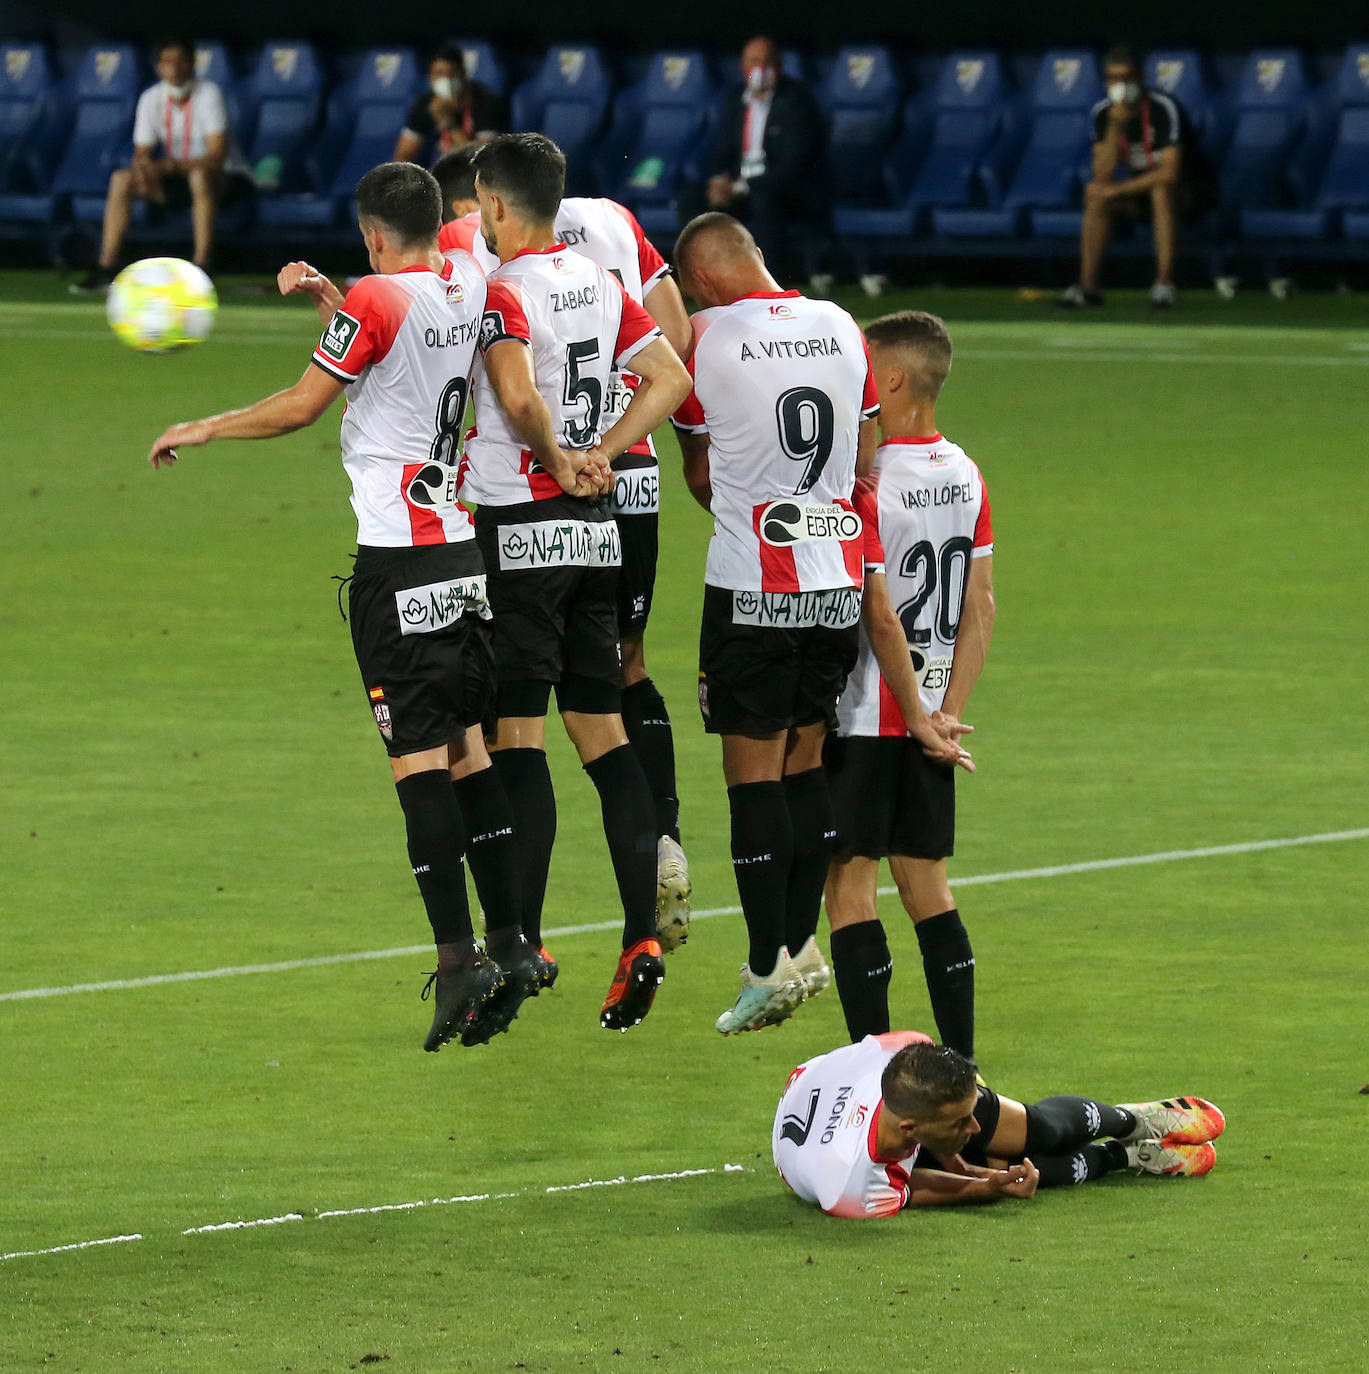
581	325
404	346
609	234
926	515
781	384
824	1137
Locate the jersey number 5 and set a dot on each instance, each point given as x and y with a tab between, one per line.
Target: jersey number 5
807	426
928	570
582	432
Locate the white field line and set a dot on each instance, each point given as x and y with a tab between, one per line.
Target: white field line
1164	856
218	1226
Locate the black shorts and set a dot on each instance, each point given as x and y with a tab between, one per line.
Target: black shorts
758	679
635	504
231	187
424	650
555	620
889	798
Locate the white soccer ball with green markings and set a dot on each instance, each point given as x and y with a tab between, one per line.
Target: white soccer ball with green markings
160	305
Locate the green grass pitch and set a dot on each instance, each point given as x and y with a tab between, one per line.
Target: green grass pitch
192	782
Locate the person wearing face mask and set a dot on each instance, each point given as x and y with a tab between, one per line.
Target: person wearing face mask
454	110
768	154
1144	167
184	151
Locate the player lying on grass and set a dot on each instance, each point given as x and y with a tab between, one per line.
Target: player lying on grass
897	1121
927	615
402	346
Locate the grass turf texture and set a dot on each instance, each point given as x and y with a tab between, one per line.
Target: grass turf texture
192	782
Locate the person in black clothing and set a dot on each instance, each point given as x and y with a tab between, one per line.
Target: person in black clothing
1143	134
454	110
768	153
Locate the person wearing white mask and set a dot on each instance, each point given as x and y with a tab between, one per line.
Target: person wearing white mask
1143	168
768	155
183	150
453	111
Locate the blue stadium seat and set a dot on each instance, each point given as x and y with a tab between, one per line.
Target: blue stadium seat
1021	189
862	99
286	89
1345	184
213	63
946	132
1179	72
31	129
661	128
106	91
568	100
483	63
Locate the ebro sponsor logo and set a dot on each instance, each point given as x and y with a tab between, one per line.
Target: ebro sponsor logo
834	1116
787	522
432	486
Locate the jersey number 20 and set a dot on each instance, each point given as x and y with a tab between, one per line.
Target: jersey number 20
929	570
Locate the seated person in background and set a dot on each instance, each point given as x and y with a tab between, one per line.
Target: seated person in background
183	148
454	109
768	156
896	1121
455	173
1145	134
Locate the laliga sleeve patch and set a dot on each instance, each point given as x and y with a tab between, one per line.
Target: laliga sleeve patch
337	338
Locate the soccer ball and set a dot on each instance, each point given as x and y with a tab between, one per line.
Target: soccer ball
160	305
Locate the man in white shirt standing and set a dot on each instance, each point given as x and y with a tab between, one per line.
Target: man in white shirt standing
183	148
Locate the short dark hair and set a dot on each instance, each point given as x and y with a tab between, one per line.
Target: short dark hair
1121	55
455	173
449	52
923	1078
712	224
404	199
920	333
527	170
176	41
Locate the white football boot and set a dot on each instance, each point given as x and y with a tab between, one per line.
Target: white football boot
672	894
817	976
765	1001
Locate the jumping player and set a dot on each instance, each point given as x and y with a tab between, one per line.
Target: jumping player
401	346
896	1121
609	234
782	399
929	570
555	327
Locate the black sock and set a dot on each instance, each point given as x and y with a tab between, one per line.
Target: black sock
863	966
815	831
762	854
647	723
437	840
491	850
630	829
1088	1162
1056	1125
527	784
948	963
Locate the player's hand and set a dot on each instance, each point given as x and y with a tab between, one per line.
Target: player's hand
1017	1180
1117	115
299	278
719	191
1098	191
949	726
940	748
190	435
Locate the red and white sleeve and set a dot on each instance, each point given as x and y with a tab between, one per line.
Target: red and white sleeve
504	316
983	526
690	417
866	502
362	330
869	401
636	329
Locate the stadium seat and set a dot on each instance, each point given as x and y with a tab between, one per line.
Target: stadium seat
946	131
483	63
1345	182
1022	189
30	132
286	89
106	92
862	99
661	126
568	100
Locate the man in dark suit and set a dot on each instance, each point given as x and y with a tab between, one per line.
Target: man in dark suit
768	153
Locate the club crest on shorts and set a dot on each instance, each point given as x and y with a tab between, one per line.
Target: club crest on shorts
382	715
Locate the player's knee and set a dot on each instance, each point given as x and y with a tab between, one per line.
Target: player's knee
634	660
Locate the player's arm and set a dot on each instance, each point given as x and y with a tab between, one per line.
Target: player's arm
407	146
694	451
215	154
1106	148
300	279
938	1188
1164	173
867	444
666	306
971	641
509	370
665	384
282	413
890	647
